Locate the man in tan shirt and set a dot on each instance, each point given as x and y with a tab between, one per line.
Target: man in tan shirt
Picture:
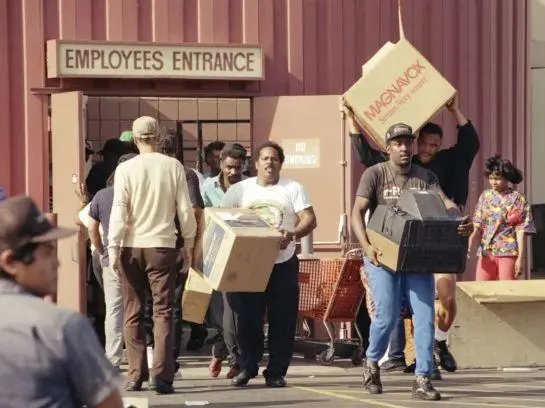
149	191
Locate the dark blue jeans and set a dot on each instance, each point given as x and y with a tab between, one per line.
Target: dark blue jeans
388	290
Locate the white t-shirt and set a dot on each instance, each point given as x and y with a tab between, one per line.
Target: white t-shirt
278	204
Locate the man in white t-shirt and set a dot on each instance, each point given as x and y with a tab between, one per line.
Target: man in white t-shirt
285	205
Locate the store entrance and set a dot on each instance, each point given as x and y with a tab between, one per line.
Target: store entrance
78	121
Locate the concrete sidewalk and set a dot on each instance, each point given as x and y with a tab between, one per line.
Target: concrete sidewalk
314	386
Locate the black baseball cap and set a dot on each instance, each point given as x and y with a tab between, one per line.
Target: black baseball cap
22	223
399	130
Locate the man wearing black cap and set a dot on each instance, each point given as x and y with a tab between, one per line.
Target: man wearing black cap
451	166
49	356
383	184
112	150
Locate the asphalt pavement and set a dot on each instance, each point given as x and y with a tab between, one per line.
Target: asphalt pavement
311	385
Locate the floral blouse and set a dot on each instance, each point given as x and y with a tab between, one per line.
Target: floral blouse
500	216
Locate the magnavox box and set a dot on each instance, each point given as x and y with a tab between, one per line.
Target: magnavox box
398	85
196	297
239	249
417	235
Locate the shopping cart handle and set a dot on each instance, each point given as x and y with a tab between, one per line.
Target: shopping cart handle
354	253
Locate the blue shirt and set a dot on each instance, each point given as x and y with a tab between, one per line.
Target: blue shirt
100	210
49	356
3	194
212	192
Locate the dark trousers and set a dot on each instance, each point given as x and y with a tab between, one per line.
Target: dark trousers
214	319
281	302
196	329
231	322
154	267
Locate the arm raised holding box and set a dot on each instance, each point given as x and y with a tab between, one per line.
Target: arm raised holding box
366	154
462	153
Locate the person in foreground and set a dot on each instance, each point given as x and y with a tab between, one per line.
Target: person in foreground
49	356
285	205
383	184
501	221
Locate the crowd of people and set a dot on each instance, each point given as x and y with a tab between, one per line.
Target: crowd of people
142	209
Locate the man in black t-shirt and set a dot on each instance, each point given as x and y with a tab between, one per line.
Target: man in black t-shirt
382	184
451	166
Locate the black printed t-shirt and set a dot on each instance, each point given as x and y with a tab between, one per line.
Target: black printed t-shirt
381	185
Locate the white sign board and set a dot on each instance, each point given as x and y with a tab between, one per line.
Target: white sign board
104	59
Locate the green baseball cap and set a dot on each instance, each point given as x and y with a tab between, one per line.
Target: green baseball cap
126	136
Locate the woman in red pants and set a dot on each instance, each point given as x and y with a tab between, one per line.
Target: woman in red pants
502	219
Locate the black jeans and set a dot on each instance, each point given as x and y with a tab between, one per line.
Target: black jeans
281	301
231	323
214	319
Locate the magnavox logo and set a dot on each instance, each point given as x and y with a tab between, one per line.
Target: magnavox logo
395	89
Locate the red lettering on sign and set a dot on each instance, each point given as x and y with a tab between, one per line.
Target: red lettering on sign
394	90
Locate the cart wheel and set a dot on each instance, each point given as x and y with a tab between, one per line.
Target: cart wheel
357	356
326	356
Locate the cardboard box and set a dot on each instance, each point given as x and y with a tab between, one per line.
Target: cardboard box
398	84
239	249
418	235
196	297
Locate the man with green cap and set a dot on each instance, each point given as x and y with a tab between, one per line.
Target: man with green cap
126	136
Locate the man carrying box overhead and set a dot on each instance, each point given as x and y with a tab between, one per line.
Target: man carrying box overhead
285	205
451	166
383	184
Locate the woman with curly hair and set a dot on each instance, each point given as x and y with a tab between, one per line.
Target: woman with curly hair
502	219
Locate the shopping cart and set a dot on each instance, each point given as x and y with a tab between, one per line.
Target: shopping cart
331	290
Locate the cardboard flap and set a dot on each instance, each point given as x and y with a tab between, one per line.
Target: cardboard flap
505	291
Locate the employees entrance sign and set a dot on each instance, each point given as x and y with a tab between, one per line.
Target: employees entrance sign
104	59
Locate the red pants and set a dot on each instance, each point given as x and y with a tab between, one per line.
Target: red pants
490	268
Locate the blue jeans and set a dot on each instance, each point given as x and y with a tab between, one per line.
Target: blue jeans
397	341
388	290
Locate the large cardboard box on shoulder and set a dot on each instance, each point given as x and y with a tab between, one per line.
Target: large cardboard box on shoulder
196	297
238	250
398	85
